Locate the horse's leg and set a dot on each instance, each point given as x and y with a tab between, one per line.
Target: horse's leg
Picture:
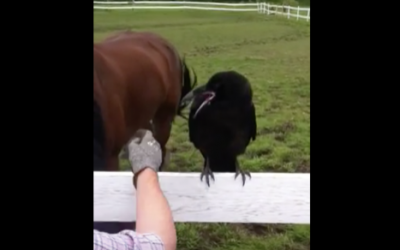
162	137
113	163
124	154
162	123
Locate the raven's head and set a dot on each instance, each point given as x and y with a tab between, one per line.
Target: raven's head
207	96
202	94
226	86
189	97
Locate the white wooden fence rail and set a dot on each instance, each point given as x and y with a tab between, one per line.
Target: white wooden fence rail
265	198
262	8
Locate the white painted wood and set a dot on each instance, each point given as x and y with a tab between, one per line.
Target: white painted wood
266	198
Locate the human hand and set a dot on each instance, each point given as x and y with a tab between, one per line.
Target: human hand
144	152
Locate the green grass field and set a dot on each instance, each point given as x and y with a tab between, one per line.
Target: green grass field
274	53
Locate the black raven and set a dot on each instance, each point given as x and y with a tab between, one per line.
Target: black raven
222	122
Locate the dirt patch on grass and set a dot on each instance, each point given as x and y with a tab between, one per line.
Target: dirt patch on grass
261	152
274	106
206	50
262	230
303	167
284	128
279	131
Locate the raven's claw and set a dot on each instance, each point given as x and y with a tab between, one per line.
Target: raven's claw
207	173
243	174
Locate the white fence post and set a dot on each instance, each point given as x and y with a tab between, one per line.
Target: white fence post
308	15
288	8
298	12
268	7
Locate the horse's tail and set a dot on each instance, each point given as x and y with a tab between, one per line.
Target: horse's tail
188	85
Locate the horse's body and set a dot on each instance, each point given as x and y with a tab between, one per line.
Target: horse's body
138	77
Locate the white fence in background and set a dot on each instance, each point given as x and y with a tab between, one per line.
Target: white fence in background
262	8
265	198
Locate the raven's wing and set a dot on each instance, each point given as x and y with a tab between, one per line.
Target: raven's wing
252	121
192	123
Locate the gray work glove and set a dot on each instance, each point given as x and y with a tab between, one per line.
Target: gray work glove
144	152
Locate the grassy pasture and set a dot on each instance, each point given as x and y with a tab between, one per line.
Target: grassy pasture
274	53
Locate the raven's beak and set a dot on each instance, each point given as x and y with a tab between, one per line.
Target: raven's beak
189	97
210	95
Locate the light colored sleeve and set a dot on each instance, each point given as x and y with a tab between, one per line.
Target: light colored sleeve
126	240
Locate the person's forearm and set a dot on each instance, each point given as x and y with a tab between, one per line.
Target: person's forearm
153	214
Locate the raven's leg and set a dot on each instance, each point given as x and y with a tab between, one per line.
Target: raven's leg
207	171
241	172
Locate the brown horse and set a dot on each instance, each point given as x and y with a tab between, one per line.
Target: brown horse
139	80
139	77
